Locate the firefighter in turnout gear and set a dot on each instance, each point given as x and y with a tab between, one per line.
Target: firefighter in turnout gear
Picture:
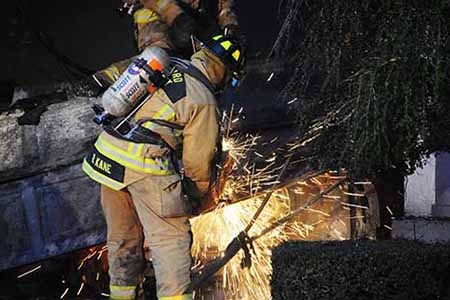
154	171
169	24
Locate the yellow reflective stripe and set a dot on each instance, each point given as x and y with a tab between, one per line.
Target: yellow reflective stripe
141	164
166	113
217	37
100	178
126	297
226	45
110	75
178	297
162	112
115	70
102	141
143	16
130	147
122	288
137	149
122	292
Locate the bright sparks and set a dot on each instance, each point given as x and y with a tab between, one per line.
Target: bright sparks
215	230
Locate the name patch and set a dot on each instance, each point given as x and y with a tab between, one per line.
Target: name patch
105	166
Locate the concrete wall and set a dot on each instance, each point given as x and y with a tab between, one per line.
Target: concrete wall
47	215
62	137
427	203
47	206
421	190
428	189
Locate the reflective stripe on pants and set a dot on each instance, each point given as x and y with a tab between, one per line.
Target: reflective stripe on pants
122	292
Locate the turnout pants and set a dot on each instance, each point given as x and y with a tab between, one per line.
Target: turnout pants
153	208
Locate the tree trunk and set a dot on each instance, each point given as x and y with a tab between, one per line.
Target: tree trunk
390	190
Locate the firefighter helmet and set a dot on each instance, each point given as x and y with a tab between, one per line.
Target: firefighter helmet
228	50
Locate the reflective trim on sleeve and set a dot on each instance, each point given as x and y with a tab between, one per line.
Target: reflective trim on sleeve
110	75
137	163
166	113
100	178
143	16
178	297
112	72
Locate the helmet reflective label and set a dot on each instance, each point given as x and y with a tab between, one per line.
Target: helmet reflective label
236	54
226	45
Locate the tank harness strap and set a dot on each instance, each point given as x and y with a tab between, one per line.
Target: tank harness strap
187	67
137	133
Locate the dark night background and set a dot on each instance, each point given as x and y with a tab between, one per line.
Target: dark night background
92	34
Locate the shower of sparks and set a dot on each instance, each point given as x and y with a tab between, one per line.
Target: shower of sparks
389	210
80	289
354	205
64	293
213	232
292	101
363	182
244	178
29	272
354	194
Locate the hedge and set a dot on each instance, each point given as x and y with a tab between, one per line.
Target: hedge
361	270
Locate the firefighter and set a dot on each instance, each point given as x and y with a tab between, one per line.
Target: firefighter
155	173
169	24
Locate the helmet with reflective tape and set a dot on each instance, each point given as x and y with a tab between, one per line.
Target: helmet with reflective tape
228	50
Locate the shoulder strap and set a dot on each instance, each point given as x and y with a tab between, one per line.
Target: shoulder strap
187	67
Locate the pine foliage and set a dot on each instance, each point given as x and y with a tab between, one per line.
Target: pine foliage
372	77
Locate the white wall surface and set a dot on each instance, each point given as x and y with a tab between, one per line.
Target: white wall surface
420	189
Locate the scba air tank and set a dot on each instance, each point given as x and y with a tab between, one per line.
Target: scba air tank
135	83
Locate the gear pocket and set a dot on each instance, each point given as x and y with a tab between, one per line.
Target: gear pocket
173	201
